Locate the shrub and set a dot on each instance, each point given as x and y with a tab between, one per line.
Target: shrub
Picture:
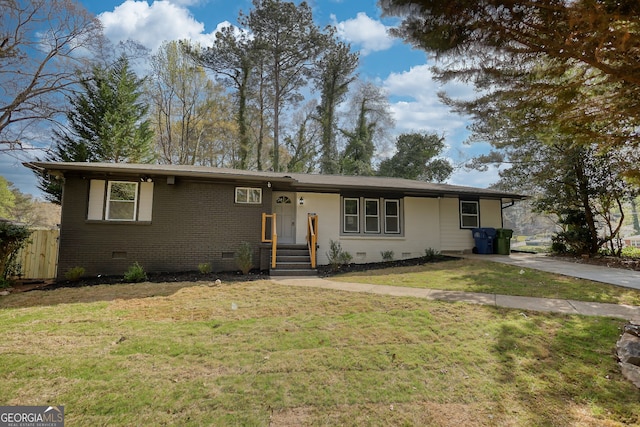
12	238
576	237
135	274
387	256
205	268
74	274
244	257
337	256
631	252
431	254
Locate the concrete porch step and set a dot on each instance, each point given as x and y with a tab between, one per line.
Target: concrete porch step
293	265
284	272
293	252
293	258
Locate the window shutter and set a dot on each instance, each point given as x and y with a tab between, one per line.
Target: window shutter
146	201
96	199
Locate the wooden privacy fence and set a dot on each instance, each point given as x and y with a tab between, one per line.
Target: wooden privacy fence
38	259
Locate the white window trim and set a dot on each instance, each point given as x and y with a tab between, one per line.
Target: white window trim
345	215
464	215
99	197
134	201
397	216
377	216
248	201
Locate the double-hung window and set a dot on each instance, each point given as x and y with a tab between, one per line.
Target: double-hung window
369	216
123	201
392	216
469	214
351	209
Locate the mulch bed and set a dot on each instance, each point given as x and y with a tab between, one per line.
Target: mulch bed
323	271
225	277
327	270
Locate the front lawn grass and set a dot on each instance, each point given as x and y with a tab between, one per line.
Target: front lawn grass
259	353
469	275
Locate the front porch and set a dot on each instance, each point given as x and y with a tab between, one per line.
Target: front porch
289	259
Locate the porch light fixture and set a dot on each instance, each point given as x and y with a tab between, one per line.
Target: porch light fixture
301	201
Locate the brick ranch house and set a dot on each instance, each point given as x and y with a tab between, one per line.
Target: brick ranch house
174	217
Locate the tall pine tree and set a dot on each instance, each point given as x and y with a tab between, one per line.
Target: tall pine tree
106	123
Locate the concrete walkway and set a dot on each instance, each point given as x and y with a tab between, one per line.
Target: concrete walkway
602	274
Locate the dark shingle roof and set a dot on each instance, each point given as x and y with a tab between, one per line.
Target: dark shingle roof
294	181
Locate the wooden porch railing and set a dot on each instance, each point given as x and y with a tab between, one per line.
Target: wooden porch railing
312	237
274	236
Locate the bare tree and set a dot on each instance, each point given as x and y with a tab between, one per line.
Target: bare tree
182	99
44	49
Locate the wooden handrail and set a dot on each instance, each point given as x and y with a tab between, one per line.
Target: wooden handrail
312	237
274	236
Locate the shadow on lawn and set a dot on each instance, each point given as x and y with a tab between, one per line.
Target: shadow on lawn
98	289
571	365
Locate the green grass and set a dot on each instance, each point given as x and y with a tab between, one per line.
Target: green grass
494	278
178	354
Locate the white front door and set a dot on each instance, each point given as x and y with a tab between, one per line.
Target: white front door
284	206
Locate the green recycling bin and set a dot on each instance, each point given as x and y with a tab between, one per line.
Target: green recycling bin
503	241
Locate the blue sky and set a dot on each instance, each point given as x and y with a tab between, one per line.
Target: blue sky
401	70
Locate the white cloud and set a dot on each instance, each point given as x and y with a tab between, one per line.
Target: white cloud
153	24
372	35
420	108
417	108
474	178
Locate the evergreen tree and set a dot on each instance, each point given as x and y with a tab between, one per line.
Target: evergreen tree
416	158
580	56
287	42
106	123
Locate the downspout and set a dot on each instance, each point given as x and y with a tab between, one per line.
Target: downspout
502	208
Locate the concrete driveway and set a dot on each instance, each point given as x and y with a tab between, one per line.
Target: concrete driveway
613	276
